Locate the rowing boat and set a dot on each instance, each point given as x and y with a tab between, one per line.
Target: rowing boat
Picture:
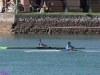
24	47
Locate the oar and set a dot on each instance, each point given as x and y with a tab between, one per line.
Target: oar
65	47
79	48
3	48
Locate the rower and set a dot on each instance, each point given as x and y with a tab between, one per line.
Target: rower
41	44
69	46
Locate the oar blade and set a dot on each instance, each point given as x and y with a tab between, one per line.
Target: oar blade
3	48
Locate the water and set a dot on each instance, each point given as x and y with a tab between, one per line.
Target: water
19	62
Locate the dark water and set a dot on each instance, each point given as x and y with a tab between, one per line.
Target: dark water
19	62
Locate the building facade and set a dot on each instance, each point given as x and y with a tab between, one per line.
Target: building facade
55	5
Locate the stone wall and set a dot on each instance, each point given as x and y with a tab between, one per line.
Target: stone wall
50	24
57	24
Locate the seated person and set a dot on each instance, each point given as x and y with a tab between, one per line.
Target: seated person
41	44
69	46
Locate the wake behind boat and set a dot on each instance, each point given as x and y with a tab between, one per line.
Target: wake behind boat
37	50
50	50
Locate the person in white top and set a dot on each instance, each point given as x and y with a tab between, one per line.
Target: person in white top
69	46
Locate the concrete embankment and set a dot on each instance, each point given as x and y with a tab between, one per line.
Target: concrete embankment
50	24
6	22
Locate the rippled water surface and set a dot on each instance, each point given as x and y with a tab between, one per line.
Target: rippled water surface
25	62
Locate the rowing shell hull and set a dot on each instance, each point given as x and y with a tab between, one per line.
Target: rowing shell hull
58	48
40	48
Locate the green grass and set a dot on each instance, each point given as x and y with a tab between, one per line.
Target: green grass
61	13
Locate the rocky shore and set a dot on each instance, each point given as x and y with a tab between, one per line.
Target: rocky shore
52	24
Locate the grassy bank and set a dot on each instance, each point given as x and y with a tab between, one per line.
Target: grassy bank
61	13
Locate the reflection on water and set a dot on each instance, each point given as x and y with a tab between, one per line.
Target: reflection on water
6	36
27	36
51	40
58	36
